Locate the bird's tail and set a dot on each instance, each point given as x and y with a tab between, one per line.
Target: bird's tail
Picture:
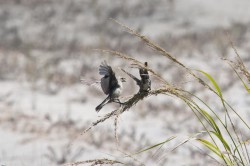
99	107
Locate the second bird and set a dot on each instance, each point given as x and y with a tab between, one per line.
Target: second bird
111	86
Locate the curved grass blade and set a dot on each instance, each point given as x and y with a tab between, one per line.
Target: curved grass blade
212	147
211	121
156	145
215	149
213	82
220	137
218	91
245	85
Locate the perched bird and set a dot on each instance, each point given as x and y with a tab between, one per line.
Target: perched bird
145	80
110	85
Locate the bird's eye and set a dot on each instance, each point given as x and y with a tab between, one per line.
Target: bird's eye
123	79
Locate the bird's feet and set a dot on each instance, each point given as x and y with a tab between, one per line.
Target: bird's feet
118	101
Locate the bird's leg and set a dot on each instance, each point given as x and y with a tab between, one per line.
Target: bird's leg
118	101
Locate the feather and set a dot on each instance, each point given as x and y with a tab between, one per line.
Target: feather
105	85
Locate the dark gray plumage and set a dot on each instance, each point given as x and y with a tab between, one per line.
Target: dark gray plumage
111	86
145	80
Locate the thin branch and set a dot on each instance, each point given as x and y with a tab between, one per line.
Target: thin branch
149	42
163	52
132	101
116	128
129	58
94	162
240	63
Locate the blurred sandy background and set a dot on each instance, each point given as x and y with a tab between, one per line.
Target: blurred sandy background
46	47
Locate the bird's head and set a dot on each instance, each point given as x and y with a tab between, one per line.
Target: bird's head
123	79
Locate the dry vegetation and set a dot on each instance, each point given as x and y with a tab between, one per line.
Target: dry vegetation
39	58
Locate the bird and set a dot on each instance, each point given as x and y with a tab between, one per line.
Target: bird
145	80
110	84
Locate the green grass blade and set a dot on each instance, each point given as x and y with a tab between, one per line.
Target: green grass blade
217	90
245	85
211	121
213	82
242	143
215	149
220	137
210	146
188	139
156	145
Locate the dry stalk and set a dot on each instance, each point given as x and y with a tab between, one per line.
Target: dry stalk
116	128
134	100
240	64
95	162
140	65
132	157
163	52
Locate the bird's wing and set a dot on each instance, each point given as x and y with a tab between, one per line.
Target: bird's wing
105	84
109	80
104	69
113	83
92	83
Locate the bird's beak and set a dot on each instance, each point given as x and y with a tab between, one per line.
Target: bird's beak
123	79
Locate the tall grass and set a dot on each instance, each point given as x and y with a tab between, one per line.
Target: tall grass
220	136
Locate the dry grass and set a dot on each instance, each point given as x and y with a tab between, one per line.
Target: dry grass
239	64
170	90
165	89
95	162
